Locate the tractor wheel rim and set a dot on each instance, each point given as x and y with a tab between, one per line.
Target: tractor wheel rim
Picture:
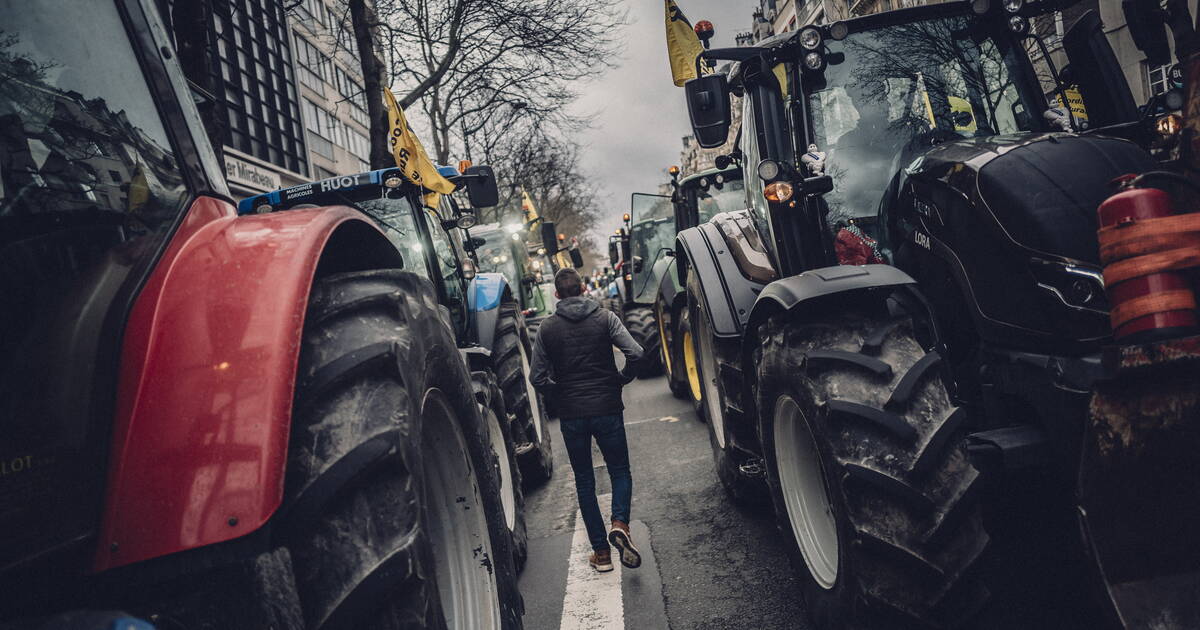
802	483
457	529
535	410
662	342
508	498
689	363
716	415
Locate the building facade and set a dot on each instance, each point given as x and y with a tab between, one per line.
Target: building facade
279	87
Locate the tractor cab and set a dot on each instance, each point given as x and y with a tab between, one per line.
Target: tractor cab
425	236
503	250
701	196
651	236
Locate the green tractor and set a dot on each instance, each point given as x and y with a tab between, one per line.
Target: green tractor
503	250
899	339
643	252
697	198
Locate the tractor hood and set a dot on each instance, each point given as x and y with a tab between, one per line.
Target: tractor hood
1042	190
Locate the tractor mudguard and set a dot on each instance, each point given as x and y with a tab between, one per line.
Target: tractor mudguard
668	286
207	377
483	298
729	295
787	293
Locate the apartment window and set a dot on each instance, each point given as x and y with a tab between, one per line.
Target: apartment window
1158	80
312	10
314	66
352	94
254	64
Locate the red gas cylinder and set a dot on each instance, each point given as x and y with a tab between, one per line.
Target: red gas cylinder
1150	297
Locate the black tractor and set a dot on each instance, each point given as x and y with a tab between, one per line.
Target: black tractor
899	337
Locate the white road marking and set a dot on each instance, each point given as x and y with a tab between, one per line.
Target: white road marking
592	600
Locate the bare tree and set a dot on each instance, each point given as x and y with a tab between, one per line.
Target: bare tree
468	61
365	24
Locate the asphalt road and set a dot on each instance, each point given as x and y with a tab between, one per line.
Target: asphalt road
707	563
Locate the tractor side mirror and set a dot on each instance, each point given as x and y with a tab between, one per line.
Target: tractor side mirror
549	238
818	185
576	258
481	187
709	110
1102	83
1148	28
637	264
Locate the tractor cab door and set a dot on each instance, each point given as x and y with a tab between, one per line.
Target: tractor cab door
445	255
102	153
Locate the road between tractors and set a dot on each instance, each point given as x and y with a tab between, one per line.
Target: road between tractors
709	563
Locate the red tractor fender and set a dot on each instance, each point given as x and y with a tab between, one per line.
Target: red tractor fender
208	364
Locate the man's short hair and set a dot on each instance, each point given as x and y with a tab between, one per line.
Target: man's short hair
568	283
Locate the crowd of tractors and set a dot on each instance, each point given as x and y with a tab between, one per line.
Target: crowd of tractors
940	324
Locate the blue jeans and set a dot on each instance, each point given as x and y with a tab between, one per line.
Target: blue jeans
609	432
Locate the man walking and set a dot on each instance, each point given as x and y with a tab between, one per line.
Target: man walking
574	368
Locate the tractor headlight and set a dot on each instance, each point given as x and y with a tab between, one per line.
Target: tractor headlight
814	61
1014	6
1168	126
393	182
1018	25
810	38
768	170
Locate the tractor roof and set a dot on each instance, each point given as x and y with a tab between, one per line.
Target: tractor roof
332	190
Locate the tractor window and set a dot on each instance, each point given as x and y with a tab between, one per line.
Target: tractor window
891	93
712	201
89	190
448	270
396	218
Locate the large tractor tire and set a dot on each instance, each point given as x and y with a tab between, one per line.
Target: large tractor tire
500	434
684	347
393	517
868	472
511	350
532	326
745	489
670	347
640	322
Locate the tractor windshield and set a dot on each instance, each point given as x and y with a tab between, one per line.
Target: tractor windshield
395	216
889	94
496	255
712	200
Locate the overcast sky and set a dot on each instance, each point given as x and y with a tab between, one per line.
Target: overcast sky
640	115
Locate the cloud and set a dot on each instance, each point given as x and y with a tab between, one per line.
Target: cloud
640	116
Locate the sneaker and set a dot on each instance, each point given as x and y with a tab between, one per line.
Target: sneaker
619	537
601	561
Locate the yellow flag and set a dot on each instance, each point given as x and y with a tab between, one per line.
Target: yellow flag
682	45
527	207
410	156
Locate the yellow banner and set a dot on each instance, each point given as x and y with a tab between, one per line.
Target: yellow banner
683	46
527	208
410	156
1075	99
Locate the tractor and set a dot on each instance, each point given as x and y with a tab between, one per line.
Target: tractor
214	419
503	250
900	336
639	252
697	198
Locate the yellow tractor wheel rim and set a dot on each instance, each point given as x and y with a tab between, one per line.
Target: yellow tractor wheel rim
689	361
662	343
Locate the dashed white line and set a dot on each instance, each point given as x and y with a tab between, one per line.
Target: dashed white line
592	600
